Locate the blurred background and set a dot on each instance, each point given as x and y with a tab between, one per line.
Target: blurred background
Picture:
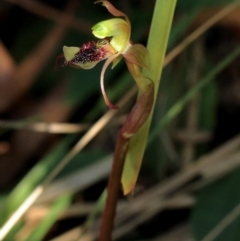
188	185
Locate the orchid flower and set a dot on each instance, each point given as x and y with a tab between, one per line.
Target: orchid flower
114	44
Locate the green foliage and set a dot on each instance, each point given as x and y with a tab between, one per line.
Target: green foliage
214	203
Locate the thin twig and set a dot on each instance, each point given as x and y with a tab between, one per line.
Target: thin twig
52	127
200	31
43	10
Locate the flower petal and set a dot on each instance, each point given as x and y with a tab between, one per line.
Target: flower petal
115	12
86	65
137	54
70	52
140	112
109	28
89	54
116	28
106	64
135	71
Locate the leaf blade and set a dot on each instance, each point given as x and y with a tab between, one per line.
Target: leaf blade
160	29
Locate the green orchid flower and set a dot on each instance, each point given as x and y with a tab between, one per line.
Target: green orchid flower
114	44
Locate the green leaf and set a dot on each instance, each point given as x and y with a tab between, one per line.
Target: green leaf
160	28
214	203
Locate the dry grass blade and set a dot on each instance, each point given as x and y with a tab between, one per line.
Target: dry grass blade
177	201
179	198
152	200
74	235
77	181
231	21
200	31
193	170
19	212
52	108
53	127
96	128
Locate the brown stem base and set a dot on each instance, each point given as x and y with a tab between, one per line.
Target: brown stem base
113	188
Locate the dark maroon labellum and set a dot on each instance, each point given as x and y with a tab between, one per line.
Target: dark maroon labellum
89	52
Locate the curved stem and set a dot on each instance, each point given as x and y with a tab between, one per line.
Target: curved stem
106	64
